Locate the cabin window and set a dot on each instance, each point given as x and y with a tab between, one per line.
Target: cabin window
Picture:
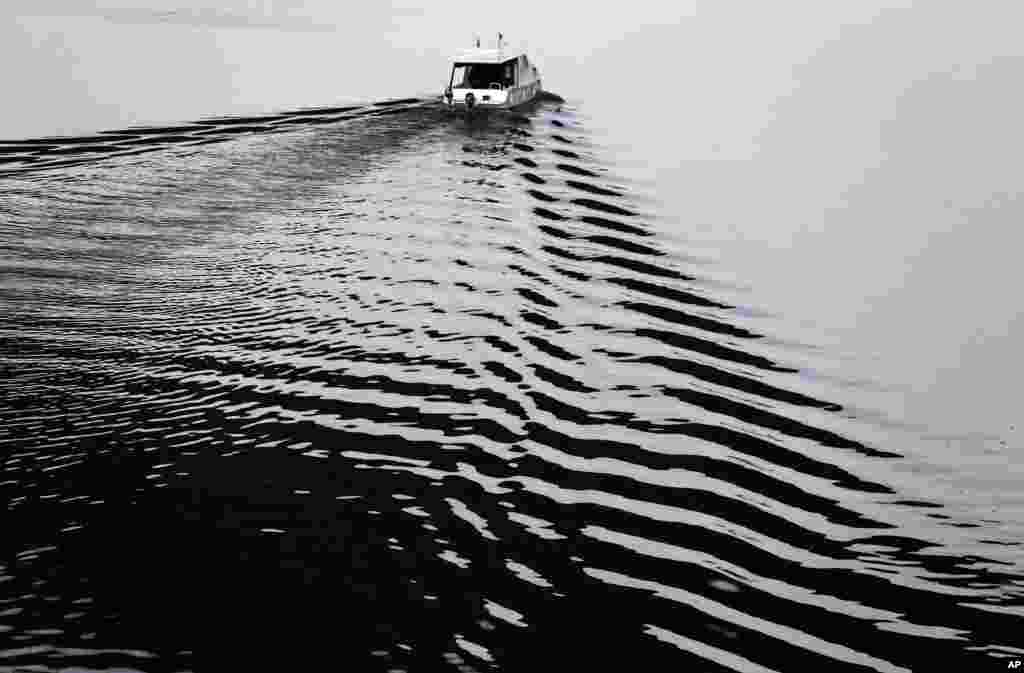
459	74
479	75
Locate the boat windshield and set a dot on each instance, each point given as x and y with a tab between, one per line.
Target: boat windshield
482	75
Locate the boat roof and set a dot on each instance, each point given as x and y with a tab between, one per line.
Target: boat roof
487	55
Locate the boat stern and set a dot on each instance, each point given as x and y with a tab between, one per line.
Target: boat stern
468	99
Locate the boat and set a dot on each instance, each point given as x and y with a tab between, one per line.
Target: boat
491	79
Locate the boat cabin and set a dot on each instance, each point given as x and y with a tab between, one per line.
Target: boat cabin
491	78
484	70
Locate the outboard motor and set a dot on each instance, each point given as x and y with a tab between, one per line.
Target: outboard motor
448	95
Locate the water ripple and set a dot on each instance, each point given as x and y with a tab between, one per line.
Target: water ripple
336	366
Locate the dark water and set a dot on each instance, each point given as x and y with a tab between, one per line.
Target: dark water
369	389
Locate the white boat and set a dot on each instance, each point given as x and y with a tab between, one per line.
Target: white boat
498	78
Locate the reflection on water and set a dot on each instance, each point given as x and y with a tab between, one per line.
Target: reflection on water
370	386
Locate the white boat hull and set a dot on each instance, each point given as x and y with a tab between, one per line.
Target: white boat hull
493	98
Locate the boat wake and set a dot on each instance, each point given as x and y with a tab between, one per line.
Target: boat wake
22	156
426	395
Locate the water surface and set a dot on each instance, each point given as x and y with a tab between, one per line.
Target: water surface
366	385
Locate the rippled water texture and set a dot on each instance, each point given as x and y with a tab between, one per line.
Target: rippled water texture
381	390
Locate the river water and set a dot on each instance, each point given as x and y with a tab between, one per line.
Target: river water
727	383
372	386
